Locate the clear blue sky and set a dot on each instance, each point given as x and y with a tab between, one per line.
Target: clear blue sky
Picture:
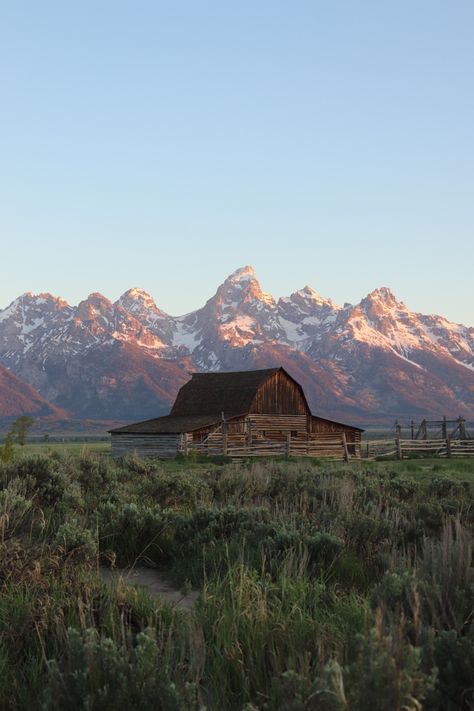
165	144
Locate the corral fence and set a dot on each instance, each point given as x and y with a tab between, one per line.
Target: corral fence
333	446
409	448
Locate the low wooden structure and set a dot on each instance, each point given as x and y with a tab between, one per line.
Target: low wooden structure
413	448
243	414
435	429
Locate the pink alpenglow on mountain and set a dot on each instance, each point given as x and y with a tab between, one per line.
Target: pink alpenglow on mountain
372	361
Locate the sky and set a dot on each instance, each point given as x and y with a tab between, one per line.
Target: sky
163	145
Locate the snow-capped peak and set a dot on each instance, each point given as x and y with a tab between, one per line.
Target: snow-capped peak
137	298
137	293
23	306
242	286
242	274
384	294
308	294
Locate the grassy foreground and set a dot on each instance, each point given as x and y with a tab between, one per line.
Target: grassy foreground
324	586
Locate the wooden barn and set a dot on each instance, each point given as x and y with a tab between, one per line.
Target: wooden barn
250	413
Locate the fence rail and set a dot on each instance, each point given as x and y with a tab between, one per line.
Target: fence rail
239	446
406	448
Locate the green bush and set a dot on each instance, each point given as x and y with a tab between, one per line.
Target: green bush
387	673
98	674
454	658
136	532
76	540
443	486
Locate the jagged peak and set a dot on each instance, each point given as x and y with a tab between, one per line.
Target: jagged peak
138	301
95	302
96	296
381	299
308	298
37	299
242	284
137	293
246	273
309	294
382	293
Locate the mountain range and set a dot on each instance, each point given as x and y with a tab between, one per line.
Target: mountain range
123	361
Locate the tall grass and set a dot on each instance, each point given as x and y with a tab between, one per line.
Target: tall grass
322	586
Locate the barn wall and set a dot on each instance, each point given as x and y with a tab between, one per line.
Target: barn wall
353	437
319	424
279	395
149	445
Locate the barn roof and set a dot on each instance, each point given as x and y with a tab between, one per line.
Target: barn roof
214	393
202	400
335	422
168	425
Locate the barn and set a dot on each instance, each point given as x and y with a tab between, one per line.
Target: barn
242	414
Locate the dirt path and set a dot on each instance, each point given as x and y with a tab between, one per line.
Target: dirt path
153	582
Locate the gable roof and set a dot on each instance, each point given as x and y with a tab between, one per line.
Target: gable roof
167	425
214	393
202	400
335	422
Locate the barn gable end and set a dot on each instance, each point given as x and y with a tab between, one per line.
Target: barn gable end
279	394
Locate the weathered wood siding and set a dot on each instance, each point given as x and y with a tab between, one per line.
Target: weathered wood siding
279	395
320	426
278	423
146	445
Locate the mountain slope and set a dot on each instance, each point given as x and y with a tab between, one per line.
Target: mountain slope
367	362
18	398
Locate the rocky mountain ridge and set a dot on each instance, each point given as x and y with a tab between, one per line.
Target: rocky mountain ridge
126	360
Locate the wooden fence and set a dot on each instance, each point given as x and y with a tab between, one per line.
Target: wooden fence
238	446
408	448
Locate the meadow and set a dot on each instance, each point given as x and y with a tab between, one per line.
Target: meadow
323	586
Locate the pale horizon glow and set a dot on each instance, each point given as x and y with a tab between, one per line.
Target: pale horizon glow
163	146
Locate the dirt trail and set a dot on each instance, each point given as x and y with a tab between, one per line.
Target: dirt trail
153	582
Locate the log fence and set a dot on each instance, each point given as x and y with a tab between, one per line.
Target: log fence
409	448
242	446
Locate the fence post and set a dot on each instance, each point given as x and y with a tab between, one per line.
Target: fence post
444	427
398	442
288	444
185	443
448	446
344	446
224	436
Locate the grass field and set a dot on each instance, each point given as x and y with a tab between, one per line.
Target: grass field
75	448
422	469
322	586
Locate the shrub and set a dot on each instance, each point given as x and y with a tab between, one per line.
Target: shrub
454	658
178	490
444	485
96	674
13	509
96	473
387	674
44	477
137	532
76	540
